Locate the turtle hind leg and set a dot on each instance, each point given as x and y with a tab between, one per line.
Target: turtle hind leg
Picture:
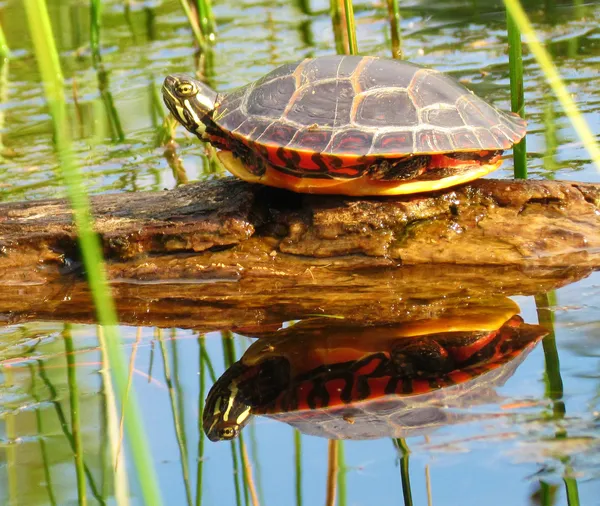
399	169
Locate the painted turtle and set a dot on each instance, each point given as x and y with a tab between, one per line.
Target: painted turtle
364	387
353	125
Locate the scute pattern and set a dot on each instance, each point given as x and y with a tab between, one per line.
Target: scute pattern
354	106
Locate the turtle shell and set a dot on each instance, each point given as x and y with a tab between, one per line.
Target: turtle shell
326	113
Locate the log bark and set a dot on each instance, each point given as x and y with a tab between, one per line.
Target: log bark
227	255
487	222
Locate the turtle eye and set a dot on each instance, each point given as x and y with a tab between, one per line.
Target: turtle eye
228	432
186	89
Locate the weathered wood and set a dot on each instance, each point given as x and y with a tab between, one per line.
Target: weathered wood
487	222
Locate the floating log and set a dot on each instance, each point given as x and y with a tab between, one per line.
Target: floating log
226	254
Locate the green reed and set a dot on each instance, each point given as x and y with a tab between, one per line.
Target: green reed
201	391
116	128
200	39
51	72
4	49
341	477
64	425
395	18
404	451
206	19
113	432
229	357
572	491
552	379
554	79
75	412
95	20
298	465
177	419
339	31
517	95
39	422
350	27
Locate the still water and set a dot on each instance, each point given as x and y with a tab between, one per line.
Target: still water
523	430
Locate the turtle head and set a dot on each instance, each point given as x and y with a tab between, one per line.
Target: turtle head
242	390
227	410
190	101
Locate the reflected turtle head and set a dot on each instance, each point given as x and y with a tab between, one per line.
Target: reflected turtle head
190	101
227	409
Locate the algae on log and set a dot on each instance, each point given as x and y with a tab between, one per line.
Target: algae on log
233	229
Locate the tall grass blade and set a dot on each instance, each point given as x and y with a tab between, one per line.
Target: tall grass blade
95	20
572	491
10	459
4	49
298	465
248	478
554	79
552	377
64	424
517	95
395	18
207	19
341	476
75	411
339	30
201	439
176	419
114	432
229	356
332	470
49	64
404	451
350	27
131	368
193	24
39	420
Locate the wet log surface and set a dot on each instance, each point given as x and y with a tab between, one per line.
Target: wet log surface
229	255
232	228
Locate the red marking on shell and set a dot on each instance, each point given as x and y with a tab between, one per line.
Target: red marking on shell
501	137
394	142
487	140
351	141
465	139
432	140
313	140
277	133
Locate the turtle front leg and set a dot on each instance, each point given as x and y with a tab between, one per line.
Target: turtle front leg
399	169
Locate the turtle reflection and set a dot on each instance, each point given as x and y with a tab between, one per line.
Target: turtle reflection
345	382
